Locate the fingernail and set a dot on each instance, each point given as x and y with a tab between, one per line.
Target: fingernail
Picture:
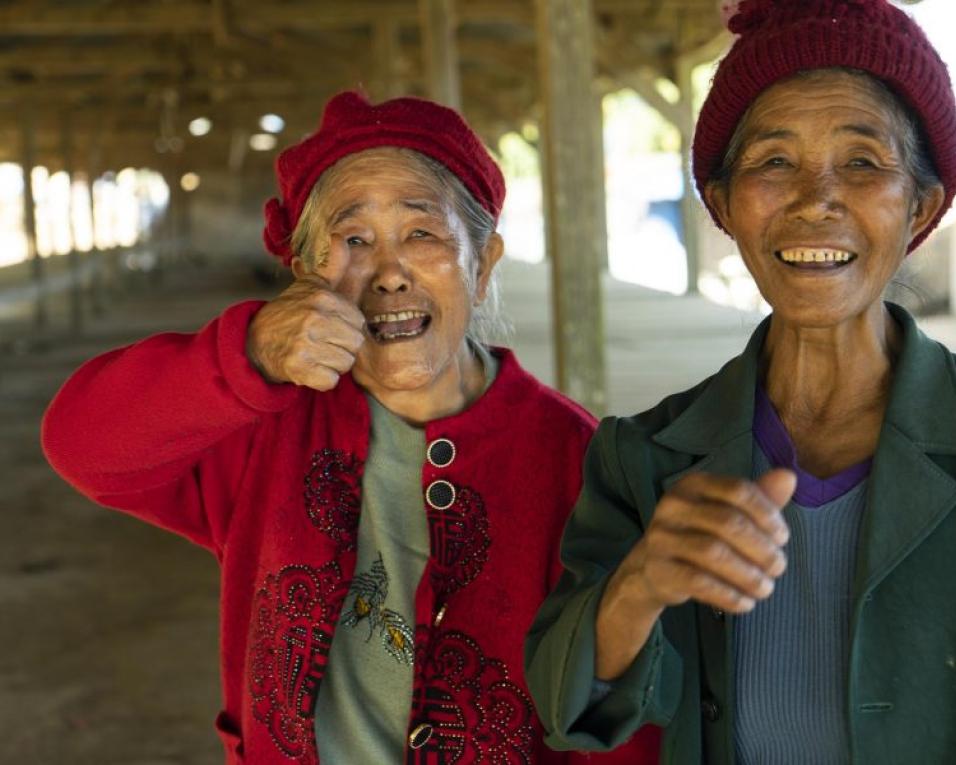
779	564
766	587
782	534
746	604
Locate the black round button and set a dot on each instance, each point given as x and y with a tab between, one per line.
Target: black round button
717	613
440	495
420	735
710	710
441	452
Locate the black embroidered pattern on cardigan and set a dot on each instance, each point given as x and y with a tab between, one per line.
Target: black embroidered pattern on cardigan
333	496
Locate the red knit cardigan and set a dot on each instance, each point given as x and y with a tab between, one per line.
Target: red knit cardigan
182	432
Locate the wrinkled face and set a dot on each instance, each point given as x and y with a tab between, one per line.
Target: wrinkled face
819	201
407	258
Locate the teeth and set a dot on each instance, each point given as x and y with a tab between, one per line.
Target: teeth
815	256
400	316
393	335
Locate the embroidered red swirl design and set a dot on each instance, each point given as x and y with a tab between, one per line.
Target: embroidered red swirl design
292	624
333	496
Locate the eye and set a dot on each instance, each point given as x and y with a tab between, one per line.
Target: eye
354	241
776	162
862	162
420	233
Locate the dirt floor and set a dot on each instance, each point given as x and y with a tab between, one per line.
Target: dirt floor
108	626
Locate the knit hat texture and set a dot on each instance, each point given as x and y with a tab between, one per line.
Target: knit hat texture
778	38
351	124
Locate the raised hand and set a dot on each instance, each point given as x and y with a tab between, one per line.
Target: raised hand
712	539
309	335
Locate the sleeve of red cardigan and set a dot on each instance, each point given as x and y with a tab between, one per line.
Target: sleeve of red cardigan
162	429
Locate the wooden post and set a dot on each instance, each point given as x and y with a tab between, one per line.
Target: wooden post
41	315
688	202
387	47
686	118
98	277
76	286
440	50
575	220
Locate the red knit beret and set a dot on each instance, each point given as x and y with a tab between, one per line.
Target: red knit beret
351	124
778	38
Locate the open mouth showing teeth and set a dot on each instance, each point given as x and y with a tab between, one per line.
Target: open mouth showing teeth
400	325
805	257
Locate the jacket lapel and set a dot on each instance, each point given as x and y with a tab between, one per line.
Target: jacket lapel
718	427
909	493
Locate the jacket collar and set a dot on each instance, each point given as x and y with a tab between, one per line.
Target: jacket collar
923	400
909	492
922	403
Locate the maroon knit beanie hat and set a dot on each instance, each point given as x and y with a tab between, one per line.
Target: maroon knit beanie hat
778	38
351	124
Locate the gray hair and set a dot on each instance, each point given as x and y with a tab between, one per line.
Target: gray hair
487	325
913	143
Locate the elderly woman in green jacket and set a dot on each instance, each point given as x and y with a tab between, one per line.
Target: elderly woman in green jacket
766	564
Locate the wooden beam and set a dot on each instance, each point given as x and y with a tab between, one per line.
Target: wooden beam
440	48
143	18
642	83
576	229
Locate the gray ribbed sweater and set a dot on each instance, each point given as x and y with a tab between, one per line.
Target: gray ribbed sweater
792	651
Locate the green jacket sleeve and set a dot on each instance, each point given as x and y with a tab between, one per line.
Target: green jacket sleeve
560	649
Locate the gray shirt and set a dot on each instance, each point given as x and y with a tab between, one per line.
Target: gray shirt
792	652
361	715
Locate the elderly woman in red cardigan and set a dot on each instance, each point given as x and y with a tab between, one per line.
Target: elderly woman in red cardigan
384	491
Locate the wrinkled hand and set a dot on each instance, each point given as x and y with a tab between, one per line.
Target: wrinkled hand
713	539
309	335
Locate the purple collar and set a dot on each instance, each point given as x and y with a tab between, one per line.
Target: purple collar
773	439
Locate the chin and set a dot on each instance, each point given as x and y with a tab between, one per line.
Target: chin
397	372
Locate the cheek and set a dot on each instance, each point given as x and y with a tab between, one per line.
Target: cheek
752	205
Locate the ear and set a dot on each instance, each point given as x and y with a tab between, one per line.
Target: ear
717	197
926	210
494	249
298	267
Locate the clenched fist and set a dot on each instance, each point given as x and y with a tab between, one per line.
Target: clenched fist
309	335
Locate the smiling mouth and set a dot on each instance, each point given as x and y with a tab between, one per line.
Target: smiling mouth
813	258
398	325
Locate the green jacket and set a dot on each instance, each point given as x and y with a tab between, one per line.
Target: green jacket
902	679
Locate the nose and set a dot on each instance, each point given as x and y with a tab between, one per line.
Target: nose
817	196
390	274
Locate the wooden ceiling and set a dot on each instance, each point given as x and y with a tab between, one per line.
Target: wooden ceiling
112	83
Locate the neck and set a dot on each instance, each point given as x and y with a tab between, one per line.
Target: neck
830	386
452	391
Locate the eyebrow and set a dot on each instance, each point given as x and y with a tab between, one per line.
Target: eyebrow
867	131
420	205
349	212
772	135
